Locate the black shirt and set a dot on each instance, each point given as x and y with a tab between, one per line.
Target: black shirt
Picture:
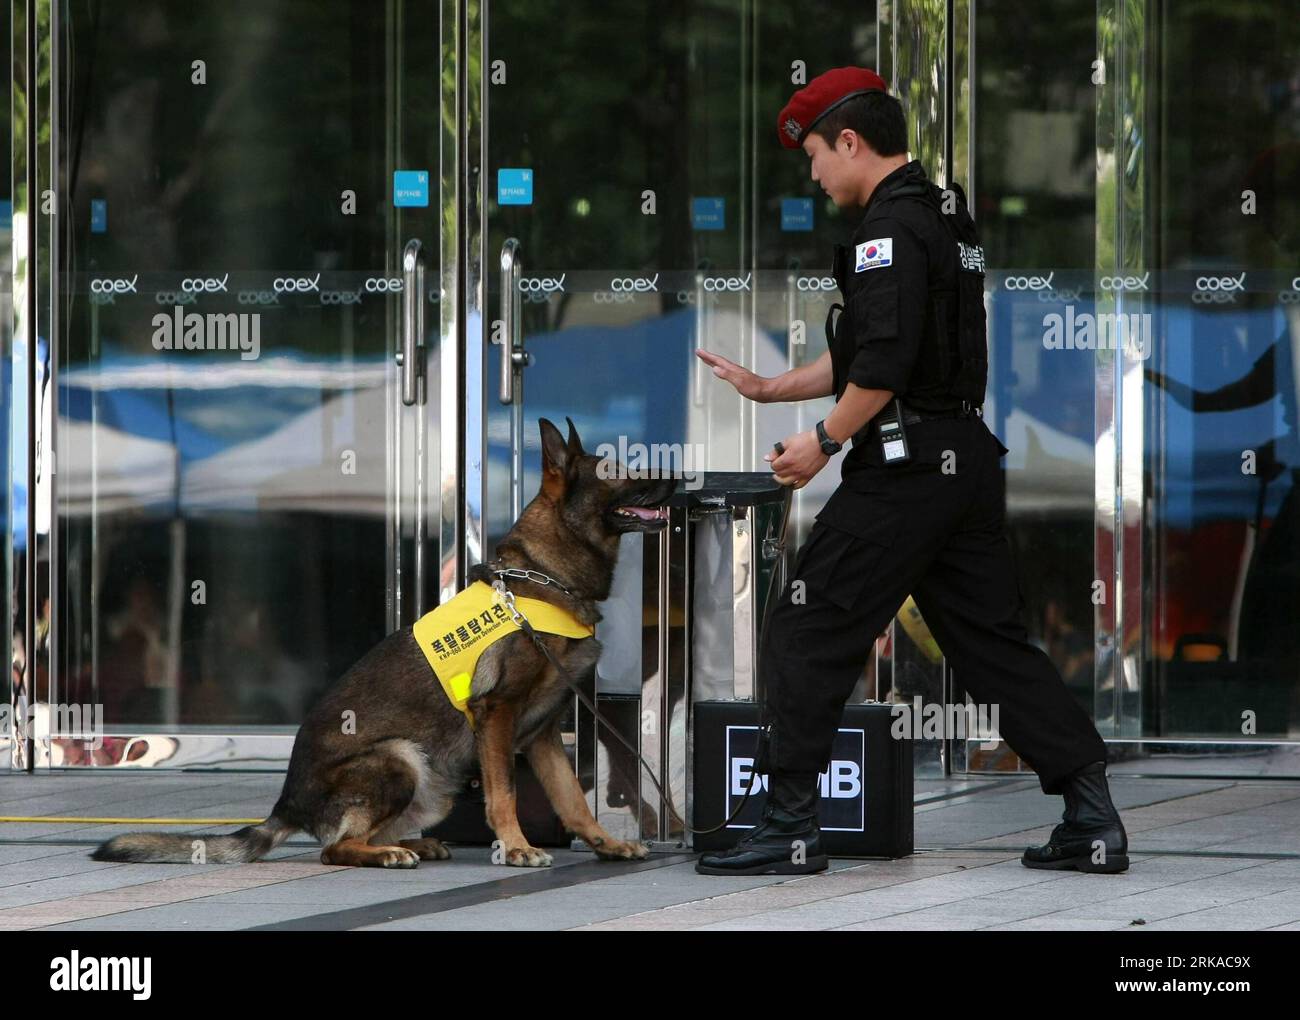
900	252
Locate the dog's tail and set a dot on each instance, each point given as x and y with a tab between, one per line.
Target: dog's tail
247	844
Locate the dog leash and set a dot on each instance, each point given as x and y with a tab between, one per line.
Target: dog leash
764	727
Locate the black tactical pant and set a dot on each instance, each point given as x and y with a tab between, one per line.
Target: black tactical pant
932	527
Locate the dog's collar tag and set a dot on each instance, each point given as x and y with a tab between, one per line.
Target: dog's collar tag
453	636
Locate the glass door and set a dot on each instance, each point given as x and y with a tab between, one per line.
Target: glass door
232	221
1040	180
637	206
1219	424
1143	335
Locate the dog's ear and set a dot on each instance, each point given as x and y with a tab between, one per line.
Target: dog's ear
575	442
555	460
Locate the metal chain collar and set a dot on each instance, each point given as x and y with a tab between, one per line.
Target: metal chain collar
531	575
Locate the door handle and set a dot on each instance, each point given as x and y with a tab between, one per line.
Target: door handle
697	390
791	306
511	266
412	319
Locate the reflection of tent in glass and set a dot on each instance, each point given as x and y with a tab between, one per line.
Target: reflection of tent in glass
638	380
271	434
242	436
110	470
1054	470
158	443
331	459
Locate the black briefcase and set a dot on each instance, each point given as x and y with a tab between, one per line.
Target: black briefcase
866	802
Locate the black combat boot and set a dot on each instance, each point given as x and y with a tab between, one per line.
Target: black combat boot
787	841
1089	816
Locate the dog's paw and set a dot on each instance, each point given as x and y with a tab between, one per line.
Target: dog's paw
428	849
620	850
397	857
528	857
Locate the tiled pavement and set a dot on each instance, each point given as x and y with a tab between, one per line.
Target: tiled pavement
1217	854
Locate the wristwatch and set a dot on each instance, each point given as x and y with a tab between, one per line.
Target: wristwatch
829	446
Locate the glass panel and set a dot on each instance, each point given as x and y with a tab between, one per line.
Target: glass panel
1163	474
12	530
1222	450
636	162
29	132
1037	207
234	494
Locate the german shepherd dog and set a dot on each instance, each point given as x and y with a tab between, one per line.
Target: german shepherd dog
397	768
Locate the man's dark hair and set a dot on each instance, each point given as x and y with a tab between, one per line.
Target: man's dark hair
876	117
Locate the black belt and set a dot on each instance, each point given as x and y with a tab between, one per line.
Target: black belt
912	417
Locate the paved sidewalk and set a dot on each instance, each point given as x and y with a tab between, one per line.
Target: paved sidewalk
1217	854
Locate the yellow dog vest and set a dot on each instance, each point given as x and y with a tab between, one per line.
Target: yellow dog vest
453	636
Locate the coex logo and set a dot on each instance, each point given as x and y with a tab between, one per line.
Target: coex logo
174	297
206	285
109	285
295	284
542	284
538	289
726	283
640	284
1229	283
1126	283
623	289
1041	287
104	290
815	283
1218	290
843	806
340	297
257	297
1029	282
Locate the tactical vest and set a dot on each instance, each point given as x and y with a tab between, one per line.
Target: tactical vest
455	634
954	349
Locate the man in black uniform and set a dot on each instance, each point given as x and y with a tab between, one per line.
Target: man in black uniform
920	508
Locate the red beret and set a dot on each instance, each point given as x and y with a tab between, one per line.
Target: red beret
819	97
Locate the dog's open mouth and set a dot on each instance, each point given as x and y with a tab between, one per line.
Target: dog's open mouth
645	513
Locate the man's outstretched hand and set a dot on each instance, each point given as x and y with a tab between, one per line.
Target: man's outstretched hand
747	384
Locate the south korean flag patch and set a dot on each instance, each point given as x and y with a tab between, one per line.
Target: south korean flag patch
874	254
